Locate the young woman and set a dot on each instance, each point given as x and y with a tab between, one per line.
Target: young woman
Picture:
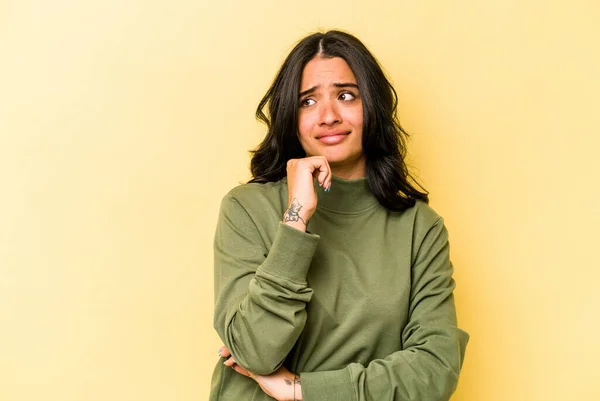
332	274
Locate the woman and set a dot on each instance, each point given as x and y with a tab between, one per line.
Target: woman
332	275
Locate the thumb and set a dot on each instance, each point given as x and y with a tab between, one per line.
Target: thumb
321	171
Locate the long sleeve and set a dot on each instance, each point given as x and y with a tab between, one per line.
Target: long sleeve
428	365
260	292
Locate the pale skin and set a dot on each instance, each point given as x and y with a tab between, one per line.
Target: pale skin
330	131
282	385
330	123
302	197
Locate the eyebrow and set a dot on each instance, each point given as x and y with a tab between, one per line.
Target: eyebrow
337	85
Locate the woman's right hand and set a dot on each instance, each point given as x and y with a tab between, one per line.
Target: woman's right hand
302	197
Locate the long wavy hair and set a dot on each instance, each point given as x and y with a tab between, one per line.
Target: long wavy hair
383	139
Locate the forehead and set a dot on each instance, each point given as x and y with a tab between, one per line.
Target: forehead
326	71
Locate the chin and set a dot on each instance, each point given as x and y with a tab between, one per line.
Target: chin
341	157
338	155
334	161
335	155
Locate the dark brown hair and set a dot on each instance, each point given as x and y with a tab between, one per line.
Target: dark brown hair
383	140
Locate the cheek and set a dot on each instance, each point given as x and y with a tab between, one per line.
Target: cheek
305	125
354	117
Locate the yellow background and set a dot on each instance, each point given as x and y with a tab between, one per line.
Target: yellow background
123	123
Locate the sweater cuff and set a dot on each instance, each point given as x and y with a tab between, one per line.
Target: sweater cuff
332	385
291	253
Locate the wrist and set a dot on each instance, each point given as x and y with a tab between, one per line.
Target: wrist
298	393
298	225
297	215
297	388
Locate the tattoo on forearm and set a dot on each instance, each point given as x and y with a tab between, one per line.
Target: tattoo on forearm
293	213
289	382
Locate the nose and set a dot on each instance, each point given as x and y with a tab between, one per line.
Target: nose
329	113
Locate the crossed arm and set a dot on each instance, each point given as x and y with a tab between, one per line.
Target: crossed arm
261	312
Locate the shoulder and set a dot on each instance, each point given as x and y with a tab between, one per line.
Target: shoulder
425	216
425	222
255	198
251	192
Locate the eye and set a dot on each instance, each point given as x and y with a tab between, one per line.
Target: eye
347	96
307	102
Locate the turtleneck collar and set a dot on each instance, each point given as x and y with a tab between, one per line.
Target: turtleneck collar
346	196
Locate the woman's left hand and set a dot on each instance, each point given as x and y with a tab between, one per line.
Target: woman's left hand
282	385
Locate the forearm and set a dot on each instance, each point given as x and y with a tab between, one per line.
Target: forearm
428	373
261	329
261	324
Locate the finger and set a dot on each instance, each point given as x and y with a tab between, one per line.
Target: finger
327	182
325	174
329	177
241	370
230	362
224	352
320	169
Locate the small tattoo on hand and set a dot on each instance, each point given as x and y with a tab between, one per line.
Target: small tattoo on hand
293	213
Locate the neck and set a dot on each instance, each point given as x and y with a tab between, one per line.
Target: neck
349	171
347	196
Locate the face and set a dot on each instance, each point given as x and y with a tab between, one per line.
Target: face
330	116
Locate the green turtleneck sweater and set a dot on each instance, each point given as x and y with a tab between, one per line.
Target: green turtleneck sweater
360	306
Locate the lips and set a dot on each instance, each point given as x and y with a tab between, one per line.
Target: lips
332	138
